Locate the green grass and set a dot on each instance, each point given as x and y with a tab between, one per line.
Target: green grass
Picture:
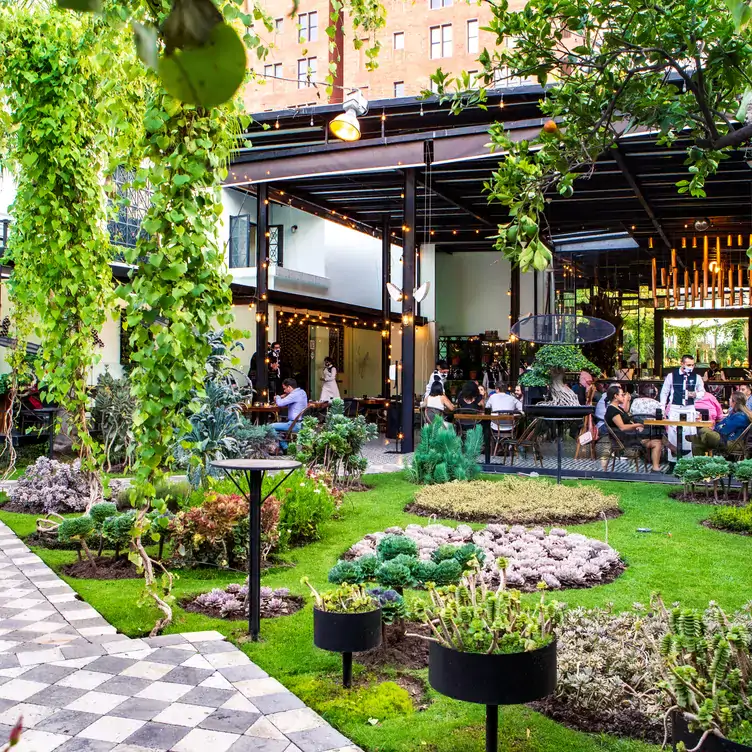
693	564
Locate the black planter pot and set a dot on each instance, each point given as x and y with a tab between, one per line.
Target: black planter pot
492	680
346	634
680	733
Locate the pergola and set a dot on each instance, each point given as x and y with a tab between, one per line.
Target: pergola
417	175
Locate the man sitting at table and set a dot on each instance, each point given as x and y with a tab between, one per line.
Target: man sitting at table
501	401
295	400
726	431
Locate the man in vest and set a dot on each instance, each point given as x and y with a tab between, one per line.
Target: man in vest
681	388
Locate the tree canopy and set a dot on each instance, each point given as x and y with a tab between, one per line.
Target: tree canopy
556	359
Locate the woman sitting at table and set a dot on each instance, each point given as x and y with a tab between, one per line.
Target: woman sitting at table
437	402
625	428
726	431
709	403
470	397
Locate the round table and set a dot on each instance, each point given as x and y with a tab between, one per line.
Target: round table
252	471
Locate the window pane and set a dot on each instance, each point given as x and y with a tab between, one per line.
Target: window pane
435	42
472	36
303	23
276	234
446	38
399	40
399	88
268	70
313	26
278	25
447	3
278	70
312	66
435	4
239	241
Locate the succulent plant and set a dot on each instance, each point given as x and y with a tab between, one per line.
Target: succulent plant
394	545
346	599
345	571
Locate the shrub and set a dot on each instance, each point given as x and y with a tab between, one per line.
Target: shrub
272	538
743	473
306	504
51	486
465	553
100	512
693	470
345	571
425	571
175	494
447	572
735	519
514	500
394	545
368	566
441	456
112	414
444	551
77	530
117	530
336	446
205	534
256	442
392	574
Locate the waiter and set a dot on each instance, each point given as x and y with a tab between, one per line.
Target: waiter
681	388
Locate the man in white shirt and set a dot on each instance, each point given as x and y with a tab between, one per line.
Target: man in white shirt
681	387
440	374
503	402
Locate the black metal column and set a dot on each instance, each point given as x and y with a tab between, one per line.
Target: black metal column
255	479
386	308
262	291
514	316
408	310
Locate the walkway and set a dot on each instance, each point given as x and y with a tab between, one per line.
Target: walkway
81	687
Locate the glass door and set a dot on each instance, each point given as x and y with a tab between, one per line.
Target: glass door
319	348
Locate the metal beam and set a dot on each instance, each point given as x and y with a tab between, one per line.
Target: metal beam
262	291
408	311
453	198
386	308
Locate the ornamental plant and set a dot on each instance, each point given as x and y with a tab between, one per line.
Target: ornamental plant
51	486
705	470
99	513
306	503
472	618
232	602
734	519
550	365
346	599
743	473
392	604
116	530
441	456
707	671
77	530
112	414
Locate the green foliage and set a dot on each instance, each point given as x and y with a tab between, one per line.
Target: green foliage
447	572
706	661
735	519
306	504
743	470
465	553
441	456
394	545
393	574
100	512
425	571
117	529
346	599
556	359
368	566
336	447
75	529
256	442
112	414
701	469
393	607
175	494
473	619
345	572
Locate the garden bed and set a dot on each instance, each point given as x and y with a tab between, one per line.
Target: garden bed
231	603
107	568
514	500
698	497
397	650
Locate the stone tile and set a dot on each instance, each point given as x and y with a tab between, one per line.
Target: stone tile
84	679
321	739
216	681
296	720
198	637
198	661
265	729
147	670
40	741
232	721
226	660
215	646
69	722
241	673
111	729
278	703
168	692
168	655
141	708
8	661
19	689
165	640
185	675
110	664
48	674
200	740
180	714
157	736
79	744
31	657
81	650
100	702
208	697
56	696
259	687
124	685
258	744
32	714
121	646
99	633
238	702
74	662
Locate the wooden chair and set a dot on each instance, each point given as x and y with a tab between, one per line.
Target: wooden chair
618	450
431	413
528	439
739	449
462	427
588	424
499	437
289	435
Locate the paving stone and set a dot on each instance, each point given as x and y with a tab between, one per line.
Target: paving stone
203	636
57	696
168	655
81	650
158	736
19	689
121	646
200	740
197	661
227	660
99	702
184	715
159	690
79	744
185	675
278	703
48	673
147	670
111	729
140	708
216	681
110	664
207	696
69	722
265	729
257	744
296	720
259	687
164	640
32	714
124	685
319	739
216	646
241	673
40	741
233	721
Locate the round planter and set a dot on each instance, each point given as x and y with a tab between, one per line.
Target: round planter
680	733
346	633
510	679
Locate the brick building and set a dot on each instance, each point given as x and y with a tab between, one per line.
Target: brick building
420	36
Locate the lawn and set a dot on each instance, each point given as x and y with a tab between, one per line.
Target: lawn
682	559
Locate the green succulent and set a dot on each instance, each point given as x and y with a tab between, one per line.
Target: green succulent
394	545
392	574
345	572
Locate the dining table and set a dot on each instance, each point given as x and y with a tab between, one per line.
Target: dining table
486	419
680	426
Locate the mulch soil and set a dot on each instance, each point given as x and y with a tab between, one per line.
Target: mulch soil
625	722
294	603
708	524
698	497
397	650
49	541
415	508
107	568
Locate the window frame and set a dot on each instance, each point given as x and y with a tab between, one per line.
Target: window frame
402	85
279	25
473	23
235	256
308	32
401	35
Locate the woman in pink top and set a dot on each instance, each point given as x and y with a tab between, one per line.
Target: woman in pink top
712	405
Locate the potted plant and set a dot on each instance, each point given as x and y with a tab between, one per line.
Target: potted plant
551	363
346	620
707	670
488	646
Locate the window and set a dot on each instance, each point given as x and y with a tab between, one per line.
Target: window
273	70
309	26
441	41
436	4
503	77
474	78
276	235
131	204
242	241
433	86
472	35
399	88
278	25
306	72
399	40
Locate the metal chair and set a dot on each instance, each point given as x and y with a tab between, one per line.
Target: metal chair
462	427
289	435
739	449
619	450
588	424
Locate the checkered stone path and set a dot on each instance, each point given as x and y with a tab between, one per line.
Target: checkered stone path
82	687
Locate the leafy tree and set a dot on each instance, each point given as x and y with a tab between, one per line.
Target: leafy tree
676	68
551	363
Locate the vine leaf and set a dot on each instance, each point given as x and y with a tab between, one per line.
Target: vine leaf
93	6
190	24
206	76
145	39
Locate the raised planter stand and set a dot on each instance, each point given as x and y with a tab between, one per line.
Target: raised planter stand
492	680
346	634
680	733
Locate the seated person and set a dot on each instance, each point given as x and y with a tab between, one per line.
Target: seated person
501	401
625	428
469	400
726	431
710	403
646	403
600	407
437	400
295	400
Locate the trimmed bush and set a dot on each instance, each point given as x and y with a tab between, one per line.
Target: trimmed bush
392	574
735	519
345	571
441	456
391	546
515	501
447	572
100	512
